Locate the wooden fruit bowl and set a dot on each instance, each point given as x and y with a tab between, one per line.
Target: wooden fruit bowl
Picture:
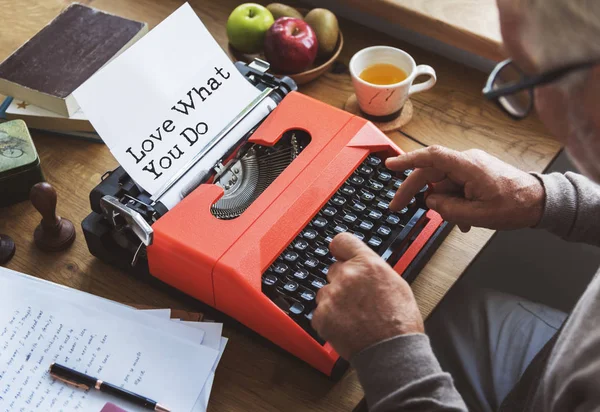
319	67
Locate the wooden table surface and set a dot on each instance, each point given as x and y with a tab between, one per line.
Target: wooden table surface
254	374
470	25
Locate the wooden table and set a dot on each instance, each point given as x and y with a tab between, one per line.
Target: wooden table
254	374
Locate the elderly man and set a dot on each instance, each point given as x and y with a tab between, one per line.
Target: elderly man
505	353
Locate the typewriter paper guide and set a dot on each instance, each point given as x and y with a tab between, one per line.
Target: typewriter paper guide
161	101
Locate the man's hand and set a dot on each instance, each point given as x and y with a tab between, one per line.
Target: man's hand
365	302
470	188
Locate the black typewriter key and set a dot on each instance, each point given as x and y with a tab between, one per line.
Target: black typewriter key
392	220
300	244
291	286
384	231
383	205
375	185
384	177
338	200
320	222
397	183
373	161
366	196
309	234
365	225
403	211
269	280
317	282
329	211
330	260
311	262
300	273
290	256
412	201
375	242
321	251
340	228
390	194
365	170
424	189
349	217
296	309
374	214
279	268
359	235
324	270
328	237
407	172
307	294
358	206
357	180
348	190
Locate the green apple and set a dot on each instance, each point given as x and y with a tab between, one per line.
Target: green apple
247	25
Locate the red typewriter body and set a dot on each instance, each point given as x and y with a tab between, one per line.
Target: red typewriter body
221	262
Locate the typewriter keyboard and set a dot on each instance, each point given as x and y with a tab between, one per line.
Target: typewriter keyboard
361	207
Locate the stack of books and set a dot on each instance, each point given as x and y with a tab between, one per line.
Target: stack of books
40	77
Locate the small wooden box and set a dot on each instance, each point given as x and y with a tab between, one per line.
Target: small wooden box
19	163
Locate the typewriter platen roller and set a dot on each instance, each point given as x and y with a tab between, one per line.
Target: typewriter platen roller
249	235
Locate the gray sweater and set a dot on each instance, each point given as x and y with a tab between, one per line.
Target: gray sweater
402	373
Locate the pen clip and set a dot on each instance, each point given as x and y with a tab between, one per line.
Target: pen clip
68	382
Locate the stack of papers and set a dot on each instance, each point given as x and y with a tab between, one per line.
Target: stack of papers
145	352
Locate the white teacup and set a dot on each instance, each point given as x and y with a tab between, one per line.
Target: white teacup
387	100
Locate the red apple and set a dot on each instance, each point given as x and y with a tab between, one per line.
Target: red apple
290	45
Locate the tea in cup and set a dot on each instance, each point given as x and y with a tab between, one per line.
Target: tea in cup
383	80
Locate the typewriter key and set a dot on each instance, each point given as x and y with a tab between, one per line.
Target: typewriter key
384	231
357	180
375	242
348	190
365	170
392	220
300	273
374	214
307	294
384	177
309	234
300	244
375	185
358	206
373	160
330	211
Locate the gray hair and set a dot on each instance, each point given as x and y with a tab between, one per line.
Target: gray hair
562	31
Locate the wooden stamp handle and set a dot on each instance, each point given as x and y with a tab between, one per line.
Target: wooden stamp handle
43	197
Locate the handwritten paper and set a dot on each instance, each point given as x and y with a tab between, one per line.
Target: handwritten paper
38	327
162	100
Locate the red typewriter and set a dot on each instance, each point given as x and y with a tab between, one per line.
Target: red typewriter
251	237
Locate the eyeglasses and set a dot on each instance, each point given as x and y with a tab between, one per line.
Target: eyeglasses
512	89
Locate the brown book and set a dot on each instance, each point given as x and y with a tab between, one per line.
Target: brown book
63	55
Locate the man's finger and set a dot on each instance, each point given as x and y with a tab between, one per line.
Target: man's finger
413	184
334	271
457	210
346	246
438	157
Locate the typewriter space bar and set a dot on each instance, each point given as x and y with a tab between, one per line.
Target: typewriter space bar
399	244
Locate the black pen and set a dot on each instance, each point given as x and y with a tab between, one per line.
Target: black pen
83	381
